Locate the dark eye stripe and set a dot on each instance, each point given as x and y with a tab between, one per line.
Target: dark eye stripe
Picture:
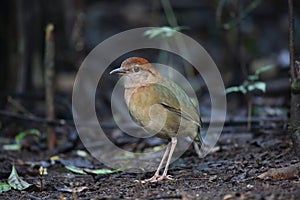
150	72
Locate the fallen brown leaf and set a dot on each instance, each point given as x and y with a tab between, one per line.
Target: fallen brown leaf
281	173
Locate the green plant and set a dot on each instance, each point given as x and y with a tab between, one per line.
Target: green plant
18	139
164	31
14	181
251	83
168	32
238	19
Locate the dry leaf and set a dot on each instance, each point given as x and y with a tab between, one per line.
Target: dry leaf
228	196
281	173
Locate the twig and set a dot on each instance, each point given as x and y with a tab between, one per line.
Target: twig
291	40
62	122
193	179
18	106
166	197
249	99
253	5
170	15
57	122
238	121
49	79
172	21
295	86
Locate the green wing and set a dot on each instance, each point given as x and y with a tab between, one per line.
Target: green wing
173	98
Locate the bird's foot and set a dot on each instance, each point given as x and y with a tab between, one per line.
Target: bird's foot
165	178
157	178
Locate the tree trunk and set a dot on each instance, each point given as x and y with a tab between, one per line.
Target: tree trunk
295	85
295	115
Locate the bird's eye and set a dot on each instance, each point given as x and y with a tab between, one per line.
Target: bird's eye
136	69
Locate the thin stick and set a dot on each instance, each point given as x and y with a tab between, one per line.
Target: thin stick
19	106
49	80
249	112
291	40
238	121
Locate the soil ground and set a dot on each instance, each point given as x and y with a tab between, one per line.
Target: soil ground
228	173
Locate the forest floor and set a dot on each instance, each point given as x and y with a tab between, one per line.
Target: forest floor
231	172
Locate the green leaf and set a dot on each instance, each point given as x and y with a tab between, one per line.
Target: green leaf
240	88
257	85
253	77
103	171
18	139
76	170
232	89
16	182
11	147
92	171
264	69
164	31
4	187
21	135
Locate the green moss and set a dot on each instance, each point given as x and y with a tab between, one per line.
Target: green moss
296	84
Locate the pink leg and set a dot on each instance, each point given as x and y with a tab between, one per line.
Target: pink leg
163	158
156	175
168	153
164	175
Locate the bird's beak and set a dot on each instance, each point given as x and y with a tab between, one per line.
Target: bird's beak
118	71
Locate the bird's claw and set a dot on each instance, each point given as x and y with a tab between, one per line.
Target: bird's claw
165	178
156	178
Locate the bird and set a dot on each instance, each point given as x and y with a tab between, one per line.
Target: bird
160	107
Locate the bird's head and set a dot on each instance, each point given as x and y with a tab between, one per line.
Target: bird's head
137	72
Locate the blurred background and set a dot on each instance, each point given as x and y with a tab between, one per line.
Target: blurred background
240	36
